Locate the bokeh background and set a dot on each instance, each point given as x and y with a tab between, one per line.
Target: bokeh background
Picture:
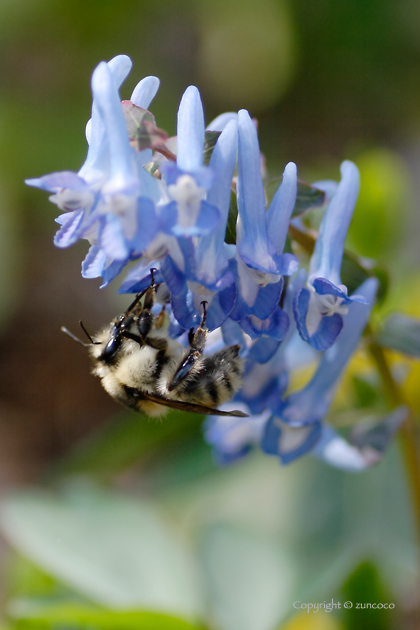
115	510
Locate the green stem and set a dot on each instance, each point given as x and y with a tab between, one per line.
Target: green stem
408	433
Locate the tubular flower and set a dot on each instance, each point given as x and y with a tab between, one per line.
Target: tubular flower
320	307
292	426
108	201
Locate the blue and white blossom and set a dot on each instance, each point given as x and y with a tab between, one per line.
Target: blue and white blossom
294	425
319	308
260	237
162	208
109	200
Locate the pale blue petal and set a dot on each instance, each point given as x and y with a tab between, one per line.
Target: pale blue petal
122	167
287	264
220	307
328	329
274	326
221	122
120	67
263	349
145	91
57	181
183	308
326	260
139	278
97	160
190	131
312	402
232	438
147	225
267	298
112	239
232	334
149	186
207	221
94	263
70	230
280	211
210	253
173	277
336	451
289	443
254	246
112	271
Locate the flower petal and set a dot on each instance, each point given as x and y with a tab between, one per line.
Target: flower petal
221	122
190	131
289	443
328	253
275	325
311	403
263	349
145	91
69	232
327	330
280	211
139	278
210	253
56	181
122	177
254	246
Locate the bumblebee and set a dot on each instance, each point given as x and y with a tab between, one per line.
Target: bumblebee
143	368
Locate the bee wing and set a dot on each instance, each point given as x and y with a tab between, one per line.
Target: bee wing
185	406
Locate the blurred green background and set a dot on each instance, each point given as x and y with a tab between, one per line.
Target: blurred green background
126	523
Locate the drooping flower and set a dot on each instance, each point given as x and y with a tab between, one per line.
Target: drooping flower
260	237
195	265
319	308
292	426
109	200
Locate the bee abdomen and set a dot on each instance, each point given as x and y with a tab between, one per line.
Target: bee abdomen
219	378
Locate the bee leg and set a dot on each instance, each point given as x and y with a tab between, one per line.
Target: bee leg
160	319
145	319
197	345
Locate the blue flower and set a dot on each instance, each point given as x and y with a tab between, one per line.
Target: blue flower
196	270
109	201
295	425
320	307
259	263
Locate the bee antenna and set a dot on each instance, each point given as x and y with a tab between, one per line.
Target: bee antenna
64	330
87	335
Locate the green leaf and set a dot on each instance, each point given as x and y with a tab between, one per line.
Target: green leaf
248	579
364	586
115	551
125	440
38	614
401	333
307	196
230	237
210	140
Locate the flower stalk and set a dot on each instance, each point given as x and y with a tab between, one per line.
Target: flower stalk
408	433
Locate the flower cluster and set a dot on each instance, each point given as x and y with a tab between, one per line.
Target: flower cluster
194	209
